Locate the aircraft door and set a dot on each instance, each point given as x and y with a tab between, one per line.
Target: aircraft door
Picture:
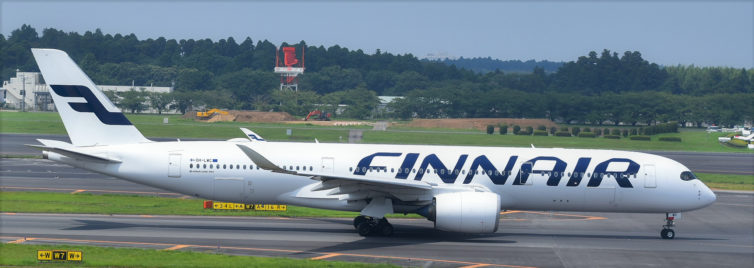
327	164
650	180
174	165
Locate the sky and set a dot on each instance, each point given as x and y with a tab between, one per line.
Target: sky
702	33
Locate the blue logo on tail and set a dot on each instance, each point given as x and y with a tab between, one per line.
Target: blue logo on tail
92	104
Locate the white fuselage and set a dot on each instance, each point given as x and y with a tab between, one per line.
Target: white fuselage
525	178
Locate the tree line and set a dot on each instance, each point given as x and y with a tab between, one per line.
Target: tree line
598	88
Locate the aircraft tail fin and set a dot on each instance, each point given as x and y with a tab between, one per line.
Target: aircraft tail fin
251	135
88	115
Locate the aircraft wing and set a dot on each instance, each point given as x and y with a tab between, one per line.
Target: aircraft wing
351	187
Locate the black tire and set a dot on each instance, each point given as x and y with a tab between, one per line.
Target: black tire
667	234
365	228
385	229
358	220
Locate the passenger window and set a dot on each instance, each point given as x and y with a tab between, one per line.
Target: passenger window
205	165
231	166
224	166
191	165
350	169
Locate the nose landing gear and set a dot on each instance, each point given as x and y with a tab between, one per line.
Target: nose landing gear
368	226
667	229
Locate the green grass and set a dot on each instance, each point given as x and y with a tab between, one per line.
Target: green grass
728	181
46	202
152	126
26	255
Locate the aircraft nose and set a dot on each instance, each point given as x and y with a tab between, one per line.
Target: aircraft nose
707	196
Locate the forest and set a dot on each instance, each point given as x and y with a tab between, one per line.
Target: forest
597	88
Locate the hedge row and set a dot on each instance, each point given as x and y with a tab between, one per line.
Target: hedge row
562	134
640	138
675	139
587	135
613	137
540	132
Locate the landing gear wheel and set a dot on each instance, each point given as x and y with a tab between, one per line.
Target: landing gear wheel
365	228
358	220
667	234
385	229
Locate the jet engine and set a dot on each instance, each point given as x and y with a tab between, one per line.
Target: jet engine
466	212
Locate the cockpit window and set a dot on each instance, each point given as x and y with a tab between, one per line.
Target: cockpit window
687	176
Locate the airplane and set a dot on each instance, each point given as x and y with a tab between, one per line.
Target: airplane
459	188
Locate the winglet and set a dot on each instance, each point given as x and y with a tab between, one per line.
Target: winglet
251	135
261	161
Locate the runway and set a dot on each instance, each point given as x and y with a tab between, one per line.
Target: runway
719	236
707	162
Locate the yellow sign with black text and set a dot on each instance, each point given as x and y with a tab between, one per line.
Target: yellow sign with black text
271	207
239	206
59	255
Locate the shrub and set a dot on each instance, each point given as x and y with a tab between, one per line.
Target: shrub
634	131
553	130
670	127
614	137
586	129
523	133
597	131
564	129
615	132
503	129
530	129
640	138
624	132
516	129
540	133
586	135
640	131
541	127
562	134
737	143
490	129
675	139
575	131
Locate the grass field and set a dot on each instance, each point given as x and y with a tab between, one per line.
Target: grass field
46	202
728	181
152	126
26	255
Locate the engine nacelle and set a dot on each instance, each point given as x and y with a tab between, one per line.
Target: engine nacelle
466	212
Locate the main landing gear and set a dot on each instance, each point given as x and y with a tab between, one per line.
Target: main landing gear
368	226
667	229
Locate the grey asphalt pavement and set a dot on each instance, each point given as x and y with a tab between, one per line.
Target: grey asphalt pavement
717	236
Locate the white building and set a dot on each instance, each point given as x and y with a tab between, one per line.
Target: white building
28	91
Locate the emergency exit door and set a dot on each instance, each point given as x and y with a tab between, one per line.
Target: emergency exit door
174	165
650	180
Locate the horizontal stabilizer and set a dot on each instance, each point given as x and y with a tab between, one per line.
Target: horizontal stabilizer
69	152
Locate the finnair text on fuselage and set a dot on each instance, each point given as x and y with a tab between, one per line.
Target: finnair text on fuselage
500	176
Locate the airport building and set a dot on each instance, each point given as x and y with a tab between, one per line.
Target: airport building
27	91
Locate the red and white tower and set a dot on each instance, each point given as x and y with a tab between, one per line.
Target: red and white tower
290	69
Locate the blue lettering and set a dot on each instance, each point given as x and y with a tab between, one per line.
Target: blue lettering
620	177
526	169
487	168
447	176
579	171
365	163
408	163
